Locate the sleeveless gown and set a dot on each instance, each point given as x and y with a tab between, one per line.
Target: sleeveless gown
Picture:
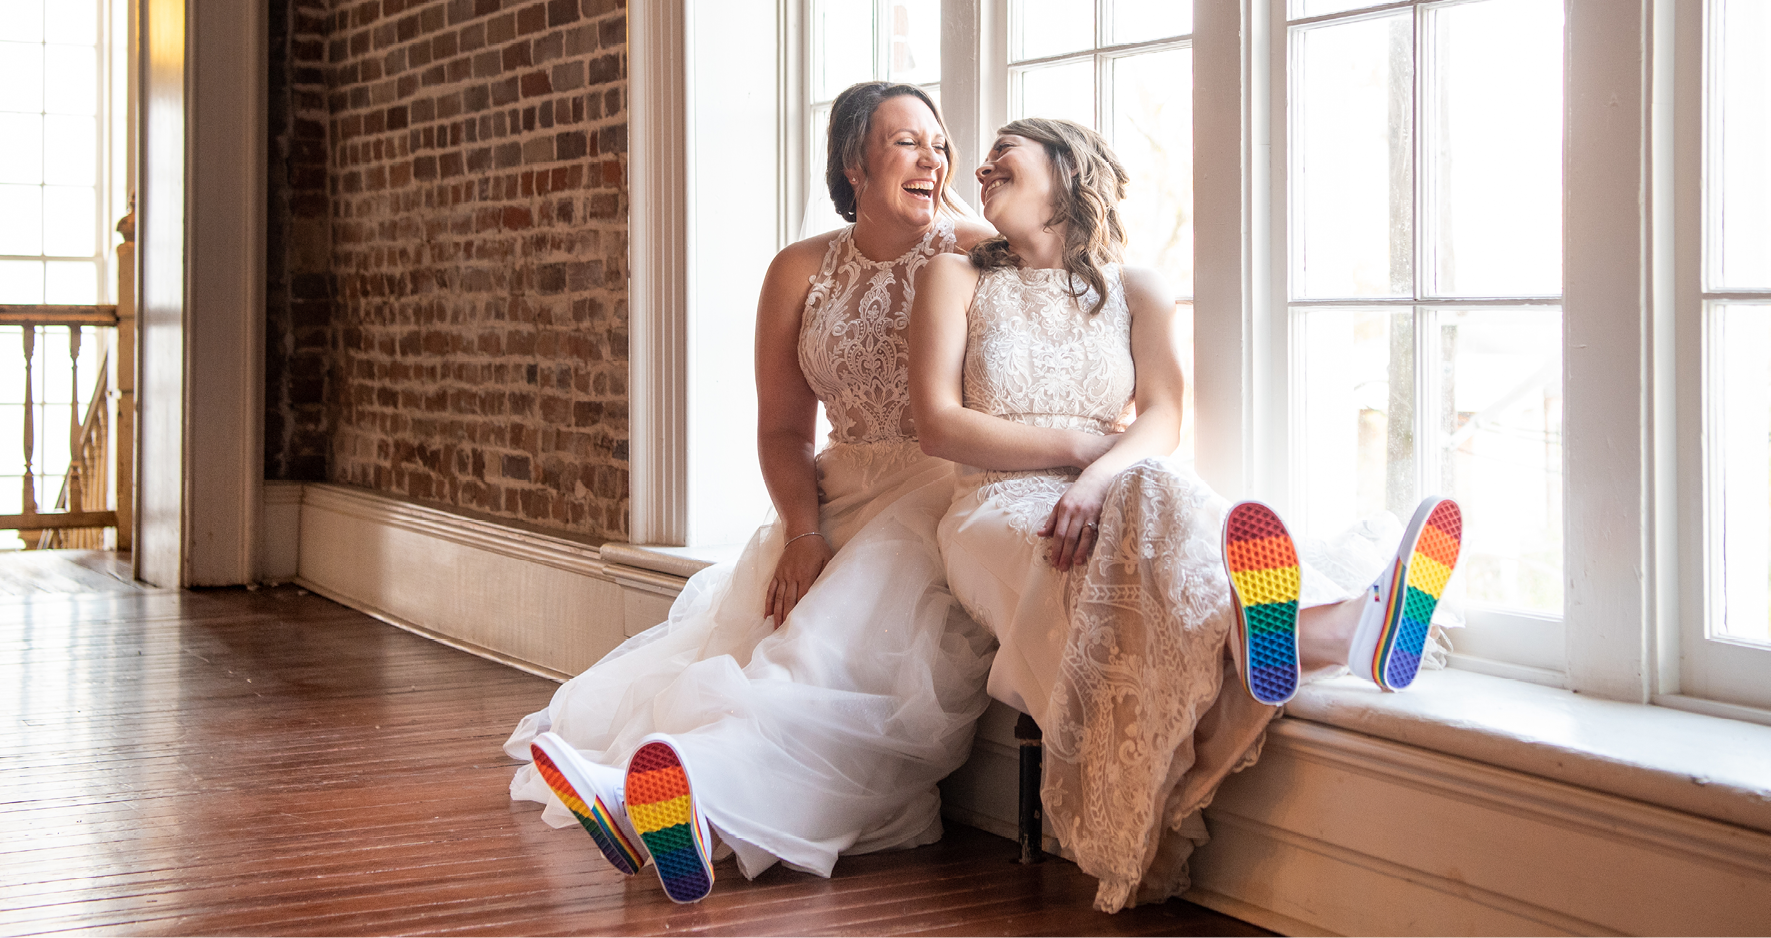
1124	661
827	735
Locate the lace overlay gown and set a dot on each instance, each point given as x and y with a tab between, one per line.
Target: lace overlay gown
1123	661
825	736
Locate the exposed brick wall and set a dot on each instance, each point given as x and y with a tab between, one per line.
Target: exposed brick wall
298	245
477	184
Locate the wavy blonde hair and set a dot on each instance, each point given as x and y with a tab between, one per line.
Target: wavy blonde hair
1088	183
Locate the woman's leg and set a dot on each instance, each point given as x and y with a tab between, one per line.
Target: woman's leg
1325	633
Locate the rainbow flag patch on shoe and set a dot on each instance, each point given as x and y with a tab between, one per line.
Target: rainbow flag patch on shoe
1265	581
661	805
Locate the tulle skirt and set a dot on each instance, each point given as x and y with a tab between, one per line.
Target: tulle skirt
827	735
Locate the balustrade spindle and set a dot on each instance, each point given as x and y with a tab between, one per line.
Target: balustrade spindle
29	496
76	454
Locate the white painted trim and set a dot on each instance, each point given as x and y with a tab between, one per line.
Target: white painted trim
548	604
224	293
658	270
1222	311
1355	835
280	537
1613	563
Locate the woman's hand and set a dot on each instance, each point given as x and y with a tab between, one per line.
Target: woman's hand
1075	522
795	572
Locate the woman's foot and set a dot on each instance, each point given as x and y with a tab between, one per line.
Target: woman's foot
1399	609
661	804
1262	564
593	793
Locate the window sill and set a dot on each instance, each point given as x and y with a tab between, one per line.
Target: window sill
681	562
1702	765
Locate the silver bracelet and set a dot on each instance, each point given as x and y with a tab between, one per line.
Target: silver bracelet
798	536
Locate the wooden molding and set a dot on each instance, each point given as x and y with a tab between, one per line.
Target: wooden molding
658	266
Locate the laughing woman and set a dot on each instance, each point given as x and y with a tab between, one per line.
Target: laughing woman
1095	561
802	703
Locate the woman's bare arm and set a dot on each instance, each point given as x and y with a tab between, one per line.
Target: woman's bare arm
944	426
786	423
1156	431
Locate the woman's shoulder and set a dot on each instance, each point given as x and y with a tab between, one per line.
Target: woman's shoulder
800	261
1145	286
950	267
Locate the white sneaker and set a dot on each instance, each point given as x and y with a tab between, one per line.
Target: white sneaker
595	796
1399	609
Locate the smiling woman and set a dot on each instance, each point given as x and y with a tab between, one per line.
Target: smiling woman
801	703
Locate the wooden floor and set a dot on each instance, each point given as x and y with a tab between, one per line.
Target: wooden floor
40	572
267	762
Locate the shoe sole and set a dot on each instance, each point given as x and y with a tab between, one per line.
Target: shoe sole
661	804
1265	582
1428	556
570	787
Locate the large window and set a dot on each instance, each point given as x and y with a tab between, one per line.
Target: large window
62	166
1425	273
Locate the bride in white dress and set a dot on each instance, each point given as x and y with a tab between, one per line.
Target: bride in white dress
1095	561
811	694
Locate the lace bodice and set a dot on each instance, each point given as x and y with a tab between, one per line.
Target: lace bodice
1034	355
852	344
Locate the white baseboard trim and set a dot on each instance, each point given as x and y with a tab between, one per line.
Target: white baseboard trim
547	604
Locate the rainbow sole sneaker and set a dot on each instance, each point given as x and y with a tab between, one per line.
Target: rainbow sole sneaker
593	795
1264	583
1393	629
661	804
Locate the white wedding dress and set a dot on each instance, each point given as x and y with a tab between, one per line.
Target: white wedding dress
1124	662
827	735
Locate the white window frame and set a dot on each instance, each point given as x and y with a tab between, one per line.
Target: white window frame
1707	673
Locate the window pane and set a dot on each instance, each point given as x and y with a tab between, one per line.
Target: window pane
68	226
1352	176
21	77
1740	405
21	159
843	32
1050	27
70	283
1740	130
916	42
1358	416
1140	20
1301	9
22	20
1066	91
70	150
1153	136
1494	148
21	281
70	21
1497	418
70	80
21	220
